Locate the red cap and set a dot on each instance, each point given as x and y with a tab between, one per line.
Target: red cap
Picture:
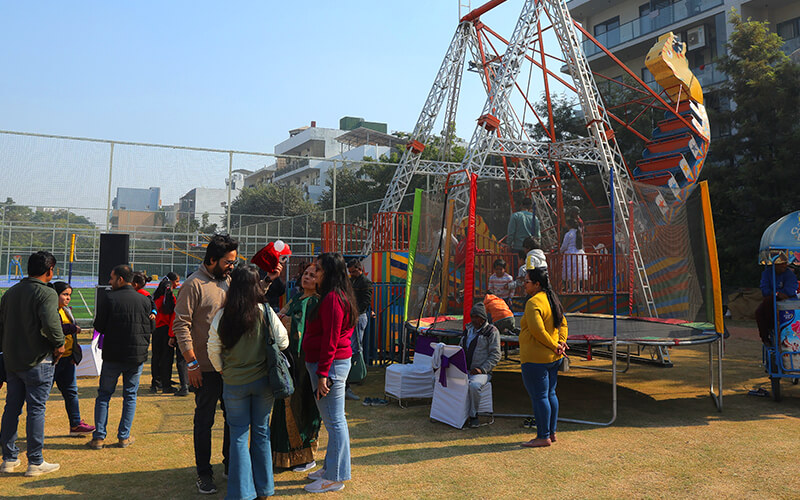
268	257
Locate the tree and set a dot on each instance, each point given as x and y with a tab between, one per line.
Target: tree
372	179
266	202
31	229
752	172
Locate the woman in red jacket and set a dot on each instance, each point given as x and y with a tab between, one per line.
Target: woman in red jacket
326	343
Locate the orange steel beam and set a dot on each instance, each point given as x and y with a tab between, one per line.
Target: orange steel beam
475	14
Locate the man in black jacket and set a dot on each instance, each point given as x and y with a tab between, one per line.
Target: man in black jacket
124	320
32	341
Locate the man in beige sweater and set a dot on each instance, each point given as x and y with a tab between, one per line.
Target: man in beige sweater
199	299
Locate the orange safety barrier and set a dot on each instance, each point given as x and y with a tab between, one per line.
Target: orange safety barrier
392	231
590	273
347	239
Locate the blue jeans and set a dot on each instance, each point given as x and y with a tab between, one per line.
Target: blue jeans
31	387
540	381
67	383
108	383
250	470
357	339
331	408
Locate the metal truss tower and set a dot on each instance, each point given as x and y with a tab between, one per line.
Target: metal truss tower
501	134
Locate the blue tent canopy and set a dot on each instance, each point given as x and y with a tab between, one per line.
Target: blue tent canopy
782	236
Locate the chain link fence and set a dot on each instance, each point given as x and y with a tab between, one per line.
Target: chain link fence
54	187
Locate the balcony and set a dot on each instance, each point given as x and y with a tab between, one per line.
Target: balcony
709	75
654	21
291	166
791	45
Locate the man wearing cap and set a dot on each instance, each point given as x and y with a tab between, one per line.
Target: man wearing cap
481	343
785	288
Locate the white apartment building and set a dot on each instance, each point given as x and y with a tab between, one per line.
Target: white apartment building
630	27
336	146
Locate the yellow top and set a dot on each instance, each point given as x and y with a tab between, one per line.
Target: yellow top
67	338
538	338
667	61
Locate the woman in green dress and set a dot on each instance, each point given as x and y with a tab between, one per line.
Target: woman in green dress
295	420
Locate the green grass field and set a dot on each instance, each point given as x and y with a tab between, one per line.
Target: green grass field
669	441
82	303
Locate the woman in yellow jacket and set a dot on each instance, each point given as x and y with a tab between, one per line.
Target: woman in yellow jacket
542	342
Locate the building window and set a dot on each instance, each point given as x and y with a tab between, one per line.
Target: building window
647	76
789	29
606	26
607	32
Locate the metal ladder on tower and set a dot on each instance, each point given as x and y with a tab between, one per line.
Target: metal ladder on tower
448	81
600	128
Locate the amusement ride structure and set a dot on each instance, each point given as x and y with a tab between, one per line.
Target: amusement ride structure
503	148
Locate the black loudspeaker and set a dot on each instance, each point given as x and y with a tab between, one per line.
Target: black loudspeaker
113	252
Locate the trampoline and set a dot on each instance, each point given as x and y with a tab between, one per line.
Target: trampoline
587	330
594	329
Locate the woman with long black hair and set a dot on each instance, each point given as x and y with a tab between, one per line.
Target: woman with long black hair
237	347
542	343
327	346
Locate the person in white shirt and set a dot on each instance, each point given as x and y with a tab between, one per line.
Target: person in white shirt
500	282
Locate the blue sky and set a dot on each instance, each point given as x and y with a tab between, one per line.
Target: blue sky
225	75
232	75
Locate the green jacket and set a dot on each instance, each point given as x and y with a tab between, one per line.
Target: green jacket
521	225
30	327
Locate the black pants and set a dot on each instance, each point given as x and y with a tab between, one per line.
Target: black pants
205	400
162	360
160	357
765	319
180	363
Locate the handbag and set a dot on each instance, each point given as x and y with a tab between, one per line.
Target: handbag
278	369
564	364
358	371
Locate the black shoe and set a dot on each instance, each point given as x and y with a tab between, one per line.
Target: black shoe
183	391
206	486
169	390
474	423
153	389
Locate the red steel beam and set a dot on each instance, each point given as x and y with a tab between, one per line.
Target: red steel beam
631	73
475	14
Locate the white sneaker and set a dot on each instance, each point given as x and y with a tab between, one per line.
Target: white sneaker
42	468
9	465
323	486
305	467
317	474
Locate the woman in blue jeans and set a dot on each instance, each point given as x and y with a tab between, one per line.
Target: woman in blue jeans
542	343
64	376
329	328
237	347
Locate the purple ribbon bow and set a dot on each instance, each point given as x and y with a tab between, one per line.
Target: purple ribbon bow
459	360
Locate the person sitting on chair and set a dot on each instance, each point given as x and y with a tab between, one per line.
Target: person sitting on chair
481	343
785	288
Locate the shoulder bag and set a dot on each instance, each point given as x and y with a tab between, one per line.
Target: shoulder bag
278	372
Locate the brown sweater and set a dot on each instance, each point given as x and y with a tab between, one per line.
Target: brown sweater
199	299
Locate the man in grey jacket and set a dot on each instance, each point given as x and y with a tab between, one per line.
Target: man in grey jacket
481	343
32	341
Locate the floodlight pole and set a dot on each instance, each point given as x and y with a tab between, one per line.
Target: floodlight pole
230	180
108	198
